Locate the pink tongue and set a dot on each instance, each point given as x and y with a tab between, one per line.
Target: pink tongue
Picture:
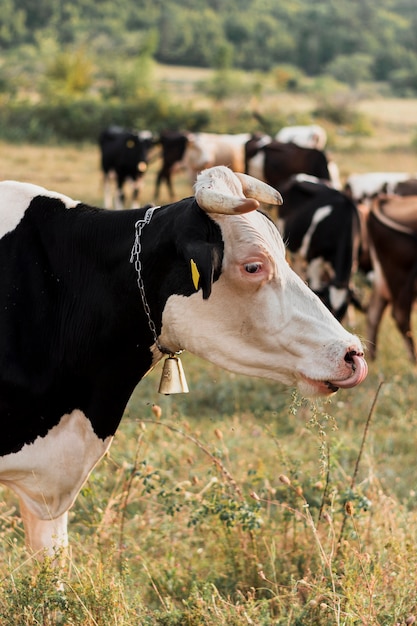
361	370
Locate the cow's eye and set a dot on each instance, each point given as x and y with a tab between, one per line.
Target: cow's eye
252	268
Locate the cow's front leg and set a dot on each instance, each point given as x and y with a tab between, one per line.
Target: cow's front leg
401	312
137	187
376	308
107	189
45	537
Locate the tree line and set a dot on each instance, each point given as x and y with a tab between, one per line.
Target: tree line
351	40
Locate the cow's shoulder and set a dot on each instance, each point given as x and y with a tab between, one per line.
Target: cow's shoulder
16	197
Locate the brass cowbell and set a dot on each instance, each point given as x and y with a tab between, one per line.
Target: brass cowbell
172	377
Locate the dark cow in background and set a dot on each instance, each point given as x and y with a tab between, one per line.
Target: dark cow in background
321	228
92	299
173	144
124	157
392	231
274	162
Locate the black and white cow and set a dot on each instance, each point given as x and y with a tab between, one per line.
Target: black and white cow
275	161
91	299
321	227
124	157
363	187
193	152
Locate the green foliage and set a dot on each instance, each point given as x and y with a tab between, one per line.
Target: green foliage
404	80
223	85
12	24
67	69
83	118
287	77
379	39
68	74
351	68
339	109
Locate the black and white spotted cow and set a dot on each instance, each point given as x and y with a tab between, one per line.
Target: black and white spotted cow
276	161
321	228
124	157
91	300
364	187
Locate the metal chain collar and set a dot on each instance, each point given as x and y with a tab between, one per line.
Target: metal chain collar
135	258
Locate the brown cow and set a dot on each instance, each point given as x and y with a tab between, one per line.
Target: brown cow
392	230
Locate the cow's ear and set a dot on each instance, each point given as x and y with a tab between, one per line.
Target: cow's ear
204	262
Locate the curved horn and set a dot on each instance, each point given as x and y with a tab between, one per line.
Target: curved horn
219	190
255	188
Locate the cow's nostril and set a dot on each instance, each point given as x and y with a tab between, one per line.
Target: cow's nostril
349	358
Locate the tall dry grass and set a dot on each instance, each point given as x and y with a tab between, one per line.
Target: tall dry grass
238	503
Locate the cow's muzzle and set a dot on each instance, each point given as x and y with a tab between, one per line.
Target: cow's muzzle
359	367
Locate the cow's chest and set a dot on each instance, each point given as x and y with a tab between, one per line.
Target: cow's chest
48	473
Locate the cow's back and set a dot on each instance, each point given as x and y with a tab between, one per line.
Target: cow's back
283	160
210	149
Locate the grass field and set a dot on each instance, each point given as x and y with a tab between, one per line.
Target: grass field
238	503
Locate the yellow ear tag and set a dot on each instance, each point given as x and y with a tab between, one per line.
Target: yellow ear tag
195	274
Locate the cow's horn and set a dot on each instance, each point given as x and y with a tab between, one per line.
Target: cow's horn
219	190
255	188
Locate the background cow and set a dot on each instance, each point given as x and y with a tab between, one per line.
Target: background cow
308	136
194	152
321	228
173	144
405	187
124	157
275	162
362	187
392	229
209	149
109	292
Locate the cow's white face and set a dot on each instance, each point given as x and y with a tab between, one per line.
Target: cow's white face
261	319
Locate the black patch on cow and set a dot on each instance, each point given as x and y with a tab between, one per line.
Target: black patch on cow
198	238
73	332
173	144
283	160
